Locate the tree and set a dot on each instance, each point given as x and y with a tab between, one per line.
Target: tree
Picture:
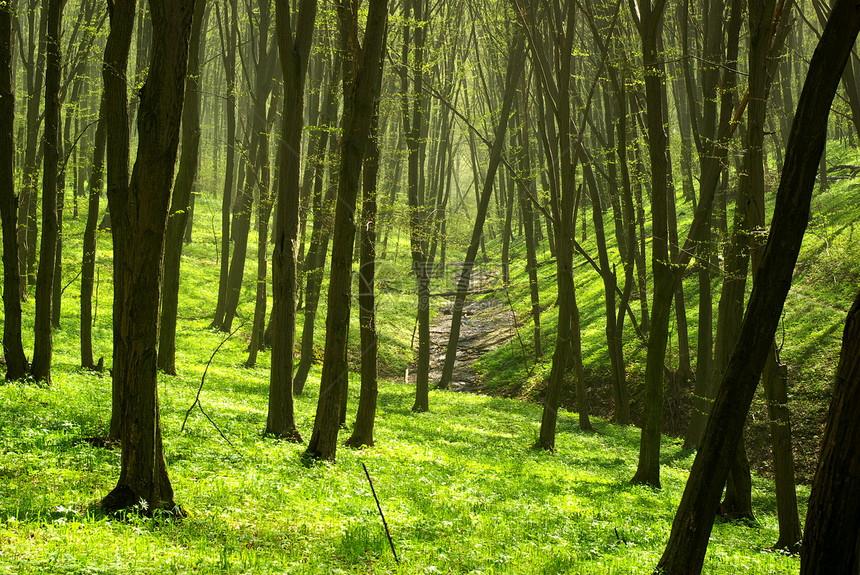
43	341
414	36
181	198
138	224
361	69
322	206
685	550
88	259
294	43
116	120
229	41
831	543
362	432
13	350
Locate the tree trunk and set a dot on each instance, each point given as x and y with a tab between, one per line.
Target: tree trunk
775	380
362	432
418	211
685	550
293	49
831	544
322	207
13	350
116	122
43	339
228	56
185	177
139	221
264	213
529	218
648	471
360	85
88	260
516	59
27	223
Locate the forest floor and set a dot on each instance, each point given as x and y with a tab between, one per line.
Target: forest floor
487	324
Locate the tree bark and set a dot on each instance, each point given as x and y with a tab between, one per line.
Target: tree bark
323	207
43	350
139	221
361	67
294	44
831	543
229	40
88	260
13	350
181	200
362	432
685	550
116	120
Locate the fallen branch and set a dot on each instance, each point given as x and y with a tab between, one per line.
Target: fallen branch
379	507
200	389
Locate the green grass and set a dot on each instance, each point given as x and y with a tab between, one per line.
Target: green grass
462	491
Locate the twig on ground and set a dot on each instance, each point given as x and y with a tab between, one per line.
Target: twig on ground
379	507
200	389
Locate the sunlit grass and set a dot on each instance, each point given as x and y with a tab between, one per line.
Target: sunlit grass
461	488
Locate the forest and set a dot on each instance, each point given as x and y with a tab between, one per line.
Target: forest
411	286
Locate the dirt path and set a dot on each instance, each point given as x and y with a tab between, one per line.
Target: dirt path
486	325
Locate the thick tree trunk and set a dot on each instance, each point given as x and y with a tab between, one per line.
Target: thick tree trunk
831	544
116	121
360	85
13	350
43	339
685	550
139	221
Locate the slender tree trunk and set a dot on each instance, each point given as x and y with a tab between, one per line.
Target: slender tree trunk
228	55
529	219
43	341
418	212
360	84
294	46
362	433
139	221
648	470
264	213
88	260
27	223
322	207
13	350
185	178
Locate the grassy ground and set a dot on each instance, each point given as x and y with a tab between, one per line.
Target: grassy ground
461	489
